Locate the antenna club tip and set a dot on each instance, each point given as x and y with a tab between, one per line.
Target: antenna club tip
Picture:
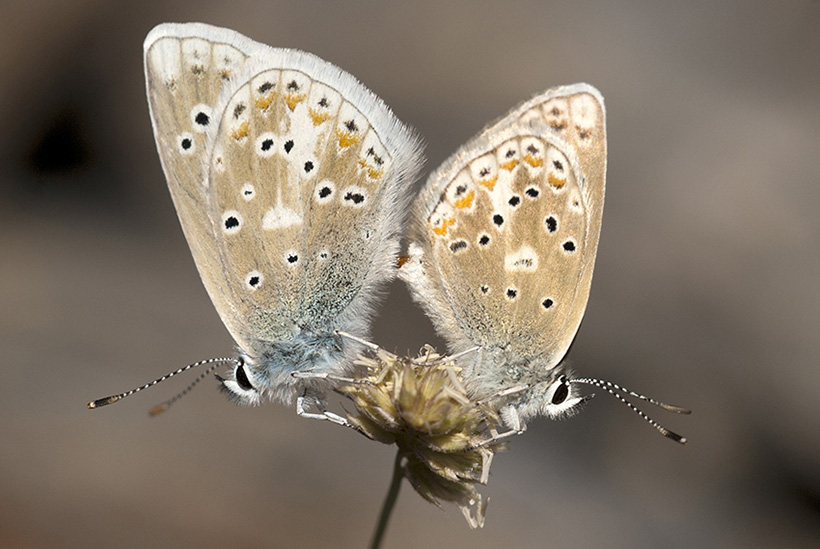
676	409
102	402
676	437
157	410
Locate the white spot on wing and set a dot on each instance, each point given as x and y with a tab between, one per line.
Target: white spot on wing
584	111
266	145
354	196
291	258
556	113
442	219
351	126
484	171
296	85
227	59
523	260
231	222
201	117
324	191
461	193
373	158
280	217
508	155
532	154
164	58
196	54
253	280
186	144
323	103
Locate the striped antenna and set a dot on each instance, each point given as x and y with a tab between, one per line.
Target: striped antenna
214	362
615	390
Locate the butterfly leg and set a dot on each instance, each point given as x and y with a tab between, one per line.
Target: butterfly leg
327	376
369	344
302	411
444	359
510	391
510	416
508	412
498	437
512	420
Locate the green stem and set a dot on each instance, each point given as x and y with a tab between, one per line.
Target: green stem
389	501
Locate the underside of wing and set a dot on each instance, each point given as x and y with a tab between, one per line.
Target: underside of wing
504	243
308	188
578	114
186	68
289	178
506	233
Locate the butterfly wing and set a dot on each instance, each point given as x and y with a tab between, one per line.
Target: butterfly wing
186	68
289	179
578	114
308	190
505	239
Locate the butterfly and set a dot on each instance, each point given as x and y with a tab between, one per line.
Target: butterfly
291	182
503	246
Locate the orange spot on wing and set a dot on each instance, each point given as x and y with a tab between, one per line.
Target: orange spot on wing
346	138
264	101
293	99
372	173
318	117
489	183
555	181
241	131
534	161
465	201
441	230
556	117
509	165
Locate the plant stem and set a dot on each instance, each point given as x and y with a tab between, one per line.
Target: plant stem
389	501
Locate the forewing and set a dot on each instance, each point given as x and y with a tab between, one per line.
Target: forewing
577	112
186	68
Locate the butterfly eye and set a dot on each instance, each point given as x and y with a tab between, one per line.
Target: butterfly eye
238	387
561	392
242	379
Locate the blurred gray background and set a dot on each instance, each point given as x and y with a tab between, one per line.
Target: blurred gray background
706	291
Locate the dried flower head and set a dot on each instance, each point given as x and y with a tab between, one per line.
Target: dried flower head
421	406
